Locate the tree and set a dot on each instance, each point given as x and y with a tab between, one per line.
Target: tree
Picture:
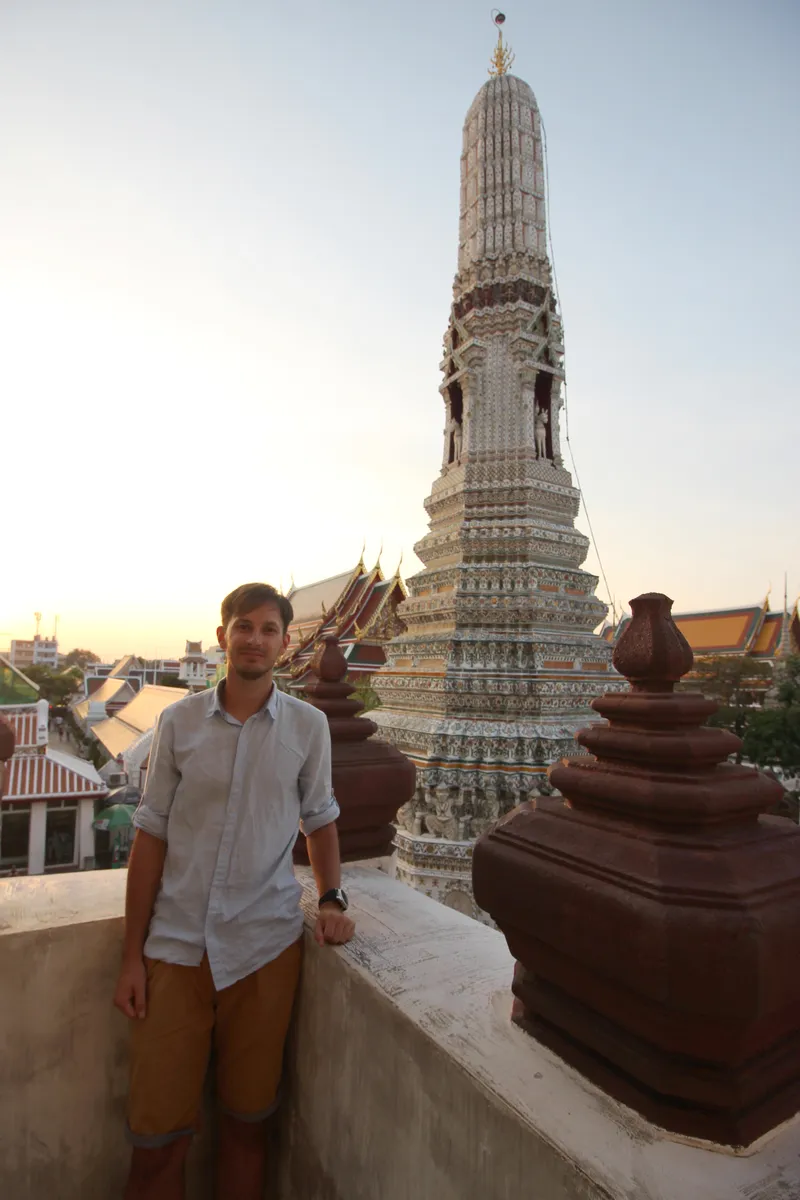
170	681
54	687
80	658
772	737
787	677
367	695
737	683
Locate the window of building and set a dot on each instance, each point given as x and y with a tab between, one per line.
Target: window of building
15	822
60	841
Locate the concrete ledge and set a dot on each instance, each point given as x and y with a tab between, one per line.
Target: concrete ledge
63	1046
405	1079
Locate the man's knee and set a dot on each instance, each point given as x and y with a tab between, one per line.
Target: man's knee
241	1132
153	1164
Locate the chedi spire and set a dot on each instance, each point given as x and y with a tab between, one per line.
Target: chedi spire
499	664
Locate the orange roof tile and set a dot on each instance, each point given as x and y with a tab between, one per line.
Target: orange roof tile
768	637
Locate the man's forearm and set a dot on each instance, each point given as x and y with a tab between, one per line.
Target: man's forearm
323	854
145	868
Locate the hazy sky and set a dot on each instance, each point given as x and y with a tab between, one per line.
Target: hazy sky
228	233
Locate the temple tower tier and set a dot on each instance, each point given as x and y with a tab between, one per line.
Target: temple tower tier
498	664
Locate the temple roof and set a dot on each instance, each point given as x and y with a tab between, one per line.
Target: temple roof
752	630
119	732
361	610
310	601
113	689
125	664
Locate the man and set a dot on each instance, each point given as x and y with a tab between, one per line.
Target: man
213	927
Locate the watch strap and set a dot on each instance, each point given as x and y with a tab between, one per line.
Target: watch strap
335	896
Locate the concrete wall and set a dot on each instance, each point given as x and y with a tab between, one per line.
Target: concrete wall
63	1047
405	1079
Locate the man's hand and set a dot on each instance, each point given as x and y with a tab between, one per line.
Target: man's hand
333	925
131	990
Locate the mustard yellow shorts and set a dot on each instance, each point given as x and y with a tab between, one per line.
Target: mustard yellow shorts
171	1046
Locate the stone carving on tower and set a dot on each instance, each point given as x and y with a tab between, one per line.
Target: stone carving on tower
498	664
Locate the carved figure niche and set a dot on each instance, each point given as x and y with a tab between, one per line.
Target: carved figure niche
455	427
542	393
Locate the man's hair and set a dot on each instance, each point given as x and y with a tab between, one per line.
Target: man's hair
244	599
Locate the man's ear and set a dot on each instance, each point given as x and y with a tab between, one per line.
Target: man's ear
286	639
221	637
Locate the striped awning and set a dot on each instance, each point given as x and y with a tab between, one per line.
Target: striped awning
24	722
41	777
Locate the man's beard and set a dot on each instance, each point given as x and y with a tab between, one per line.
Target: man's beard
251	673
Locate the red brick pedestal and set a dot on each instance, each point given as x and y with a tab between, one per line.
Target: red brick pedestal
653	912
371	780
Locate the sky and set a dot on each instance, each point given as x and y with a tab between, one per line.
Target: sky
228	233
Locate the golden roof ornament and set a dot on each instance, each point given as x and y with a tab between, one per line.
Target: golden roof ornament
503	56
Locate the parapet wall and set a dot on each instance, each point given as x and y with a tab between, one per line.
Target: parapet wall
405	1078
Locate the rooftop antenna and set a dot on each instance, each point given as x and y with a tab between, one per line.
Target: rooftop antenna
38	617
503	56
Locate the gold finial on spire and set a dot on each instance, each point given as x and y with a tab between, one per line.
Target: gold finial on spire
503	56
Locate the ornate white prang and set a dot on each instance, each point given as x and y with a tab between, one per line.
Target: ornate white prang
498	663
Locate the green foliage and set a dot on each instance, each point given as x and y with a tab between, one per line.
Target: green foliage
55	687
737	683
367	695
788	674
80	658
170	681
772	737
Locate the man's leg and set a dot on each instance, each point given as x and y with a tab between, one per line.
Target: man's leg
253	1018
158	1174
169	1056
241	1158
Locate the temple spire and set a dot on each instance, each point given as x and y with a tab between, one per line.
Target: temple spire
503	56
784	648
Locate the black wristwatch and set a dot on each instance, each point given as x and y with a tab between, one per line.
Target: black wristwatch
335	896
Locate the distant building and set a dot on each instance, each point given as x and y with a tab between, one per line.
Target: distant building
34	652
141	671
47	809
127	735
108	697
196	668
359	607
752	631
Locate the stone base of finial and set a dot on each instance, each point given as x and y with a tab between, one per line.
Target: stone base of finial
690	1096
660	962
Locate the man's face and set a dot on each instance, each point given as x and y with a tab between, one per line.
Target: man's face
253	641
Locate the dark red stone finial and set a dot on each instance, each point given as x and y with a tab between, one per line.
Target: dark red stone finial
652	652
371	779
328	663
654	911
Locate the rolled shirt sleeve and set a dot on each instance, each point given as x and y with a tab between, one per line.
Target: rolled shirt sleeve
318	805
163	777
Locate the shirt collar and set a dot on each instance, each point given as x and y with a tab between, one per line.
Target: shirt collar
216	705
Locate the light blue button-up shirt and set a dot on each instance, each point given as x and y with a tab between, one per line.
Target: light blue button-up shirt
228	799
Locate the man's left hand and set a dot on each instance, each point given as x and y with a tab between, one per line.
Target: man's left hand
333	926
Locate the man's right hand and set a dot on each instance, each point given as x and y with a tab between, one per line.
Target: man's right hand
131	991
